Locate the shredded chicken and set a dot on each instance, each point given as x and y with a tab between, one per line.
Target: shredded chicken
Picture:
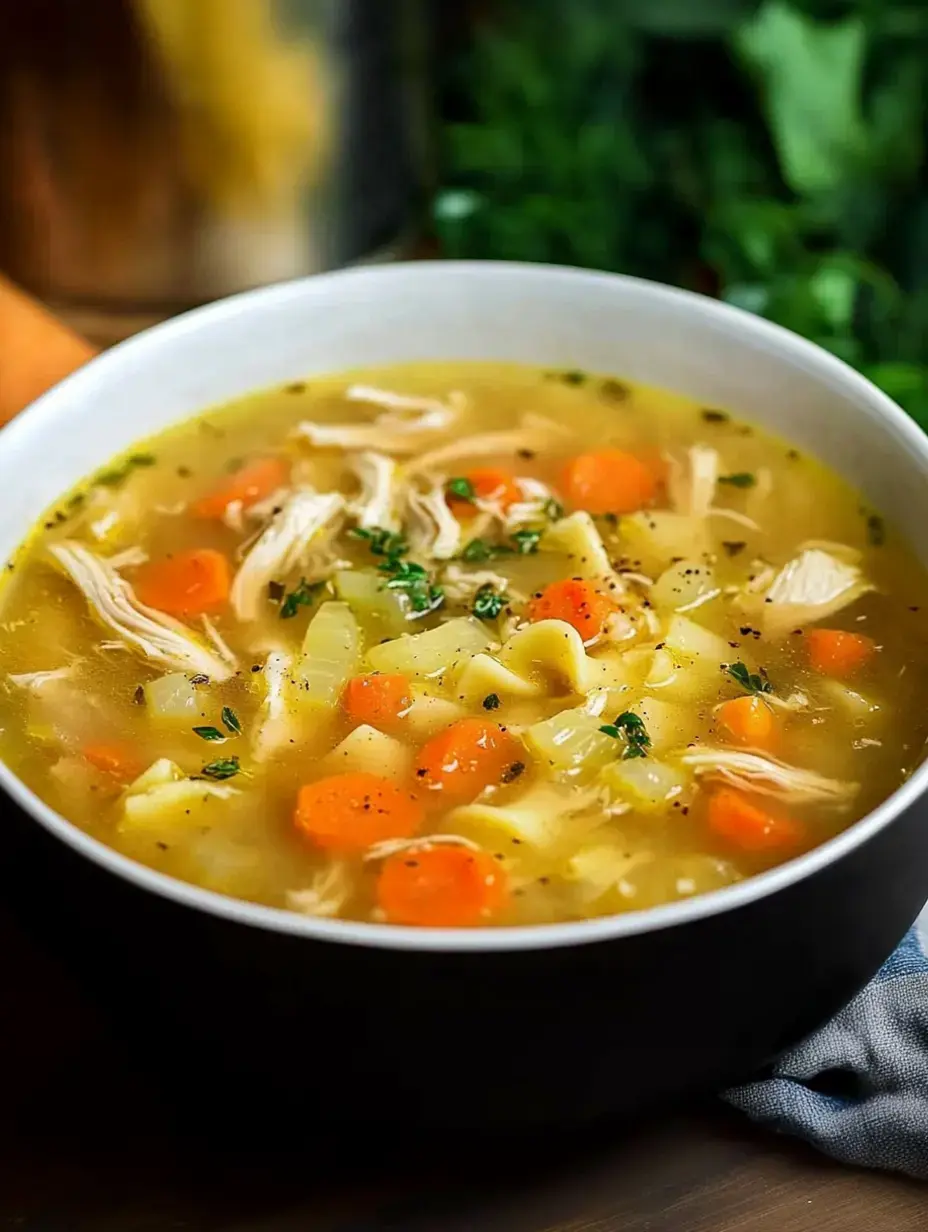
390	846
301	528
326	895
812	586
155	636
377	502
405	426
131	558
535	433
274	727
35	681
432	528
769	777
693	487
460	585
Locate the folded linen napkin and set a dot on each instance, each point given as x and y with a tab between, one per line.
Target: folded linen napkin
858	1088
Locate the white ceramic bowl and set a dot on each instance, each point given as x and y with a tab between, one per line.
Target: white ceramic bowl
557	318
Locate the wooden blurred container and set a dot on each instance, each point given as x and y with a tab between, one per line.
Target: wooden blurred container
155	154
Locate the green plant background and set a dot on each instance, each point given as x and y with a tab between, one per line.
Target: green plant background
771	152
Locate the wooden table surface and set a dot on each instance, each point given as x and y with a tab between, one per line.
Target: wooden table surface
86	1147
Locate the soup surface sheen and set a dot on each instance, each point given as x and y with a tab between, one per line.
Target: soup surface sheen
462	645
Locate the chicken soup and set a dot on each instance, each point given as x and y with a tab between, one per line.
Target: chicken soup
465	644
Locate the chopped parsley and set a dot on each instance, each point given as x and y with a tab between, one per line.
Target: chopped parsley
223	768
491	701
231	721
116	475
488	602
301	596
554	510
460	487
631	729
876	530
573	377
381	542
404	575
478	550
750	682
209	733
522	543
526	541
615	391
740	479
713	416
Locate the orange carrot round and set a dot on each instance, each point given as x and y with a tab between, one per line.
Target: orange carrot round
251	483
348	812
378	699
736	818
466	757
609	481
186	584
114	758
489	483
576	601
748	720
834	652
441	886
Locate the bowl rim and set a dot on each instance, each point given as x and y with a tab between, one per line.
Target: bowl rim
78	387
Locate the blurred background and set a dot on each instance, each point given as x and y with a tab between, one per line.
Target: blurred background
155	154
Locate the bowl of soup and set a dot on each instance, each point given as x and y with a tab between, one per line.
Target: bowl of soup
469	694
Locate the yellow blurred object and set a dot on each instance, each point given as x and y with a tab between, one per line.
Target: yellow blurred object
252	107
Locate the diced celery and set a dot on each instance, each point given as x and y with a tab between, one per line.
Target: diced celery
172	701
570	743
329	656
644	783
687	584
364	592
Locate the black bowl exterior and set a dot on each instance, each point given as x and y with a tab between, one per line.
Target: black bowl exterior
244	1023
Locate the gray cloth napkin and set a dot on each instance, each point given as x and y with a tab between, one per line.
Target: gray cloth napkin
858	1088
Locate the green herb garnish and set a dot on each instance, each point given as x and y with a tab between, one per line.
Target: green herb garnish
554	510
711	416
573	377
488	602
876	530
526	541
301	596
741	479
478	550
630	728
224	768
615	391
116	475
461	488
209	733
381	542
751	683
231	720
491	701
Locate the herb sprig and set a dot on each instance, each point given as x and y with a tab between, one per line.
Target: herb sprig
751	682
302	595
222	768
489	602
741	479
407	576
113	476
522	543
631	729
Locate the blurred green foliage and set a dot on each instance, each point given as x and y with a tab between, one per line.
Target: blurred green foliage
772	152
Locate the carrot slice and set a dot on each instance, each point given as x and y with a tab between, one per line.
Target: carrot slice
441	887
578	602
348	812
609	481
380	700
834	652
251	483
119	760
748	720
735	817
466	757
187	584
489	483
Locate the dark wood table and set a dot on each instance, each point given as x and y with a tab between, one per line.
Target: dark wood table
85	1146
